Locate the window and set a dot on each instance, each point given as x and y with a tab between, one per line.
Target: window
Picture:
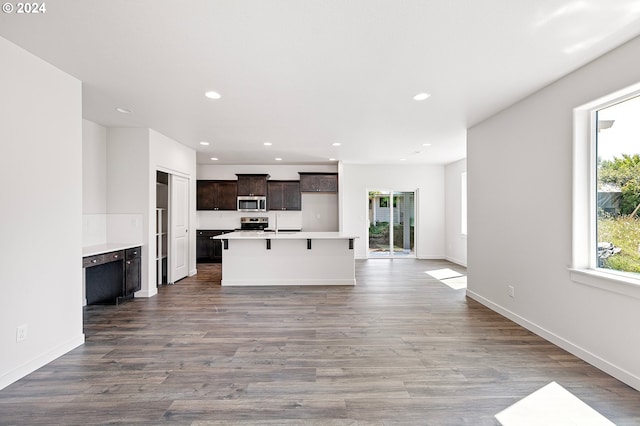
617	169
606	240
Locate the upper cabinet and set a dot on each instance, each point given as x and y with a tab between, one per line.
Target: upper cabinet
216	194
284	195
250	184
318	182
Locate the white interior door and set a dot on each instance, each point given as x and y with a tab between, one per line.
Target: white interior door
179	218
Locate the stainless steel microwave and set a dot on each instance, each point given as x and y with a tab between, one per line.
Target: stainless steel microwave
252	204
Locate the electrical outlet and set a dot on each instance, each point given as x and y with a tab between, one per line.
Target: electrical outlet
21	333
511	291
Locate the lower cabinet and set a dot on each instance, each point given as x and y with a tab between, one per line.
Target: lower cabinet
113	276
132	269
209	250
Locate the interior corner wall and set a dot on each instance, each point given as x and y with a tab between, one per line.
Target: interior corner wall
94	168
41	167
357	180
519	165
456	243
128	186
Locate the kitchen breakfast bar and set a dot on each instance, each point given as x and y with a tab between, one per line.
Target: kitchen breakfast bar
263	258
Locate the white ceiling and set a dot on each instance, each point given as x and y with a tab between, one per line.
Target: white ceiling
304	74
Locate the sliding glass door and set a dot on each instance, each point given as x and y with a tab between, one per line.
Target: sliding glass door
391	224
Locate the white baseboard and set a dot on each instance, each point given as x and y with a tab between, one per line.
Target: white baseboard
456	261
146	293
39	361
593	359
289	282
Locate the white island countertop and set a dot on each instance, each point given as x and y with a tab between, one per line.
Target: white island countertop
259	258
284	235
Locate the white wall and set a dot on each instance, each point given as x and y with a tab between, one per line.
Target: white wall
275	172
94	168
41	167
456	242
520	220
357	180
128	184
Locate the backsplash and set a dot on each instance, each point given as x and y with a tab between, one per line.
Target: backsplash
229	220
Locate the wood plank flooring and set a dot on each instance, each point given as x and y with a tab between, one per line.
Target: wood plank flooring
399	348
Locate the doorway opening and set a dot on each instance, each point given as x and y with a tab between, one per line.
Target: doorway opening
172	230
391	224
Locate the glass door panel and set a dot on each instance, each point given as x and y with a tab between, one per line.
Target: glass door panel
379	236
403	224
391	224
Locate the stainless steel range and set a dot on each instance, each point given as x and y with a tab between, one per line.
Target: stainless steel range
254	223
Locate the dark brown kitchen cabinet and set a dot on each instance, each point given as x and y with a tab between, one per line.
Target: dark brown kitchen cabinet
318	182
216	194
283	195
112	277
209	250
132	269
251	184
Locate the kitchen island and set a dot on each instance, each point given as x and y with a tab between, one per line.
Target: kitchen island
260	258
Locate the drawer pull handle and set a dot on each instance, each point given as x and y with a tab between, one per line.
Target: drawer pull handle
115	256
94	260
128	262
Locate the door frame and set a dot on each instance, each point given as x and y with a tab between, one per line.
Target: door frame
391	255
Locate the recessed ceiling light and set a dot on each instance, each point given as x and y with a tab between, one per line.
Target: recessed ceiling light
403	159
332	159
123	110
278	159
426	144
267	144
336	144
214	159
204	143
421	96
212	95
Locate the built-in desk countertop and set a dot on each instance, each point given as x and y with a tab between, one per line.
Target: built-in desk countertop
106	248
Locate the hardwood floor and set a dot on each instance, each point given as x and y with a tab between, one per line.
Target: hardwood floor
399	348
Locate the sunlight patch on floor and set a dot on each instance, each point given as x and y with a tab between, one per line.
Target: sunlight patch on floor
453	279
551	405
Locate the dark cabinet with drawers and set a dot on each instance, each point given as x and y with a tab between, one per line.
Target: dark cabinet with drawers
112	276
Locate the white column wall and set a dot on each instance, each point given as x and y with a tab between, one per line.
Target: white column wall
128	187
172	157
41	226
456	250
519	166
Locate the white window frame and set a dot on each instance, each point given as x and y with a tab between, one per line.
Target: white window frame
463	204
584	268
